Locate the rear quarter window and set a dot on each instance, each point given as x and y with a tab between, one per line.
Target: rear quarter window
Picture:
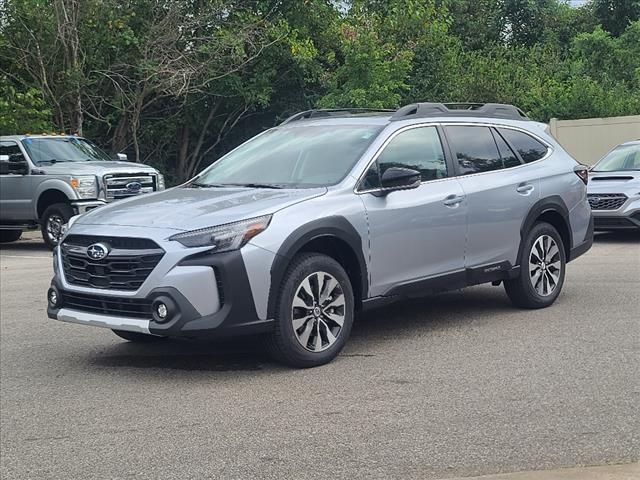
527	147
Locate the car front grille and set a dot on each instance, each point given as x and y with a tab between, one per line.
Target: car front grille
126	307
118	186
606	201
126	266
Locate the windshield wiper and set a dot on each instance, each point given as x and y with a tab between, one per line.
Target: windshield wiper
206	185
52	161
256	185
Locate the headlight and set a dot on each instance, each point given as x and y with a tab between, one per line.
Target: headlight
85	186
160	181
224	238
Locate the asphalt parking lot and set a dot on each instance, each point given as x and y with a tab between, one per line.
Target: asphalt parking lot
455	385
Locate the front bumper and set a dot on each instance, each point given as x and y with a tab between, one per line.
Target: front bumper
626	217
222	278
83	206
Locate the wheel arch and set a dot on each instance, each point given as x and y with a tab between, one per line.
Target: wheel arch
554	211
49	197
333	236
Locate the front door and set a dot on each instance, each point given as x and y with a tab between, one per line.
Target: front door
15	186
415	235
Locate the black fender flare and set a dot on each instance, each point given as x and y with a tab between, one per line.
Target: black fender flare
334	226
553	203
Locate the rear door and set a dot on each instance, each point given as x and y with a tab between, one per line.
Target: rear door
500	189
415	235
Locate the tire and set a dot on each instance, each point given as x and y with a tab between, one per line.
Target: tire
53	218
317	337
541	279
138	337
8	236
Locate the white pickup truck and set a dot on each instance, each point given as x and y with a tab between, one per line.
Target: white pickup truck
47	179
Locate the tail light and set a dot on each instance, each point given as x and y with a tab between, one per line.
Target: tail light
582	171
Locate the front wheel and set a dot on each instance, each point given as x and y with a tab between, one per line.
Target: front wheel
542	269
137	337
314	312
8	236
53	218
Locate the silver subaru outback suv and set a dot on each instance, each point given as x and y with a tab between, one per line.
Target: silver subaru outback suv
330	213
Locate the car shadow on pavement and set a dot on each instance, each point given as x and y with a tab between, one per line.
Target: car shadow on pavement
405	319
617	237
26	245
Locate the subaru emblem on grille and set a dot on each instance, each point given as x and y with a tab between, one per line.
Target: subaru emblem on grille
134	187
595	199
97	251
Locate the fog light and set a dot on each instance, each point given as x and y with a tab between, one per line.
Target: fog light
53	297
162	311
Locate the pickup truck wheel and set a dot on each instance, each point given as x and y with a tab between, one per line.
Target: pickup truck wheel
314	312
53	218
137	337
7	236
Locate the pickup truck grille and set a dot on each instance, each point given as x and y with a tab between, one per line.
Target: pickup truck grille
126	266
118	186
606	201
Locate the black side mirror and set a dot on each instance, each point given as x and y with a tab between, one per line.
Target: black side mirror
397	178
18	165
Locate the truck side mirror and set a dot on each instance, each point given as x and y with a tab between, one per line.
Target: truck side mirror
122	157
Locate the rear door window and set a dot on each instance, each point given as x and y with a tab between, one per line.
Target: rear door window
527	147
474	149
509	159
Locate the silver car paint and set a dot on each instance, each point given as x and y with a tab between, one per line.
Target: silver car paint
405	235
631	188
20	193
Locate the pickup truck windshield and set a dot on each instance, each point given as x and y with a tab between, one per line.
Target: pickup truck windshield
292	157
49	150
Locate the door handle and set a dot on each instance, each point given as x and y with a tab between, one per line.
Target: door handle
525	188
453	200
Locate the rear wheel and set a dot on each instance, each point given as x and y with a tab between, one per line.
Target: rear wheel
53	218
542	269
8	236
137	337
314	312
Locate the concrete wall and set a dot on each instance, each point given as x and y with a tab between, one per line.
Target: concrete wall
589	139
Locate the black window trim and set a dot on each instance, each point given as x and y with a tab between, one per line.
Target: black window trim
550	148
496	133
515	150
445	149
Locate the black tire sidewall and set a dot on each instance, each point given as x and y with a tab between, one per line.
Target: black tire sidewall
64	210
291	352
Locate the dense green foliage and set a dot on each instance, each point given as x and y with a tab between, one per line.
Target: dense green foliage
177	83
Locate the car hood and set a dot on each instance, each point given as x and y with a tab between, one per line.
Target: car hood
184	208
627	181
95	168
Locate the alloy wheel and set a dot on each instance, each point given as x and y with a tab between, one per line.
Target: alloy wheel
545	265
55	223
318	311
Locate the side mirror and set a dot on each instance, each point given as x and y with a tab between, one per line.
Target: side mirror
122	157
15	164
396	178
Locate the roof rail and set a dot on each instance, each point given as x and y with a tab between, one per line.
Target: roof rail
333	112
490	110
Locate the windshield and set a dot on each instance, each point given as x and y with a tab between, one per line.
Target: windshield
62	149
626	157
297	157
